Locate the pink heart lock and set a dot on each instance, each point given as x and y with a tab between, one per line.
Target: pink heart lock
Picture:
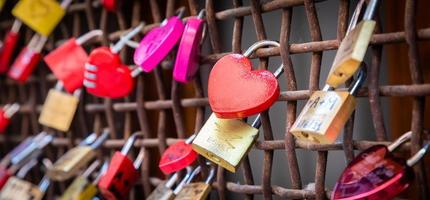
186	63
155	46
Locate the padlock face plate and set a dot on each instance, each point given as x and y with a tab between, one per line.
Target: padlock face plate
41	16
58	110
70	163
161	192
119	178
351	53
225	141
194	191
323	117
16	188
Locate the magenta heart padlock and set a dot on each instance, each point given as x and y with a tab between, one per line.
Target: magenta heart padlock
155	46
187	58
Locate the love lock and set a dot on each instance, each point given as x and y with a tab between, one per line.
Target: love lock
67	62
5	114
155	46
105	74
178	156
110	5
9	45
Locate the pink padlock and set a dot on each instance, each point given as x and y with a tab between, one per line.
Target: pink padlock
186	64
155	46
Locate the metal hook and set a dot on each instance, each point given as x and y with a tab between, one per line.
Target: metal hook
101	139
89	35
259	44
91	169
402	139
417	157
174	177
103	170
129	143
358	82
26	168
10	110
190	139
123	40
370	10
355	16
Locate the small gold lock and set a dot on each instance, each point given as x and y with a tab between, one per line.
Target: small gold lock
76	158
16	188
225	141
353	48
59	109
325	114
197	190
164	190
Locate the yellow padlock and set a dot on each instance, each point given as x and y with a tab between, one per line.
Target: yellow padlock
325	114
40	15
353	48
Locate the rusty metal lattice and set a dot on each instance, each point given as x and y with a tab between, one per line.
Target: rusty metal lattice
134	110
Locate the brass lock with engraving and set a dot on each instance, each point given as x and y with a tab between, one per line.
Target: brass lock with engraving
226	141
76	158
164	191
59	108
82	188
353	47
196	190
18	188
326	113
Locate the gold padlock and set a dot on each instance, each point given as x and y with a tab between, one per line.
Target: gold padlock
353	48
226	141
82	188
164	190
325	114
76	158
197	190
59	108
17	188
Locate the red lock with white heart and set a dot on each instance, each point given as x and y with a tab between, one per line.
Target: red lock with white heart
237	91
122	173
178	156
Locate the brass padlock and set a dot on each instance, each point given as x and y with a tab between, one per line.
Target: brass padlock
164	190
226	141
59	108
325	114
17	188
353	48
76	158
197	190
82	188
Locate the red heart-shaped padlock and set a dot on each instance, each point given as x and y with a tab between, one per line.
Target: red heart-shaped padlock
105	75
177	157
235	91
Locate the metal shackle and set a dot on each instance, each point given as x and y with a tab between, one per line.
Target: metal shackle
404	138
356	85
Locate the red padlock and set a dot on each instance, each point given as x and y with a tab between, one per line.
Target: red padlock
9	45
110	5
105	75
27	59
5	114
122	173
4	176
67	62
178	156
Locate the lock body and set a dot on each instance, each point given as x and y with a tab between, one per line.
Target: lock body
80	189
194	191
324	116
9	45
4	121
67	63
110	5
58	110
161	192
70	163
24	64
225	141
351	53
4	176
120	177
177	157
16	188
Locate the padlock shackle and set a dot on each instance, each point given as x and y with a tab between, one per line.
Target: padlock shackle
182	183
139	159
87	173
402	139
370	10
26	168
172	180
44	184
356	85
123	40
65	3
10	110
190	139
260	44
355	15
37	144
88	140
102	172
418	156
129	143
180	12
89	35
211	175
16	26
100	140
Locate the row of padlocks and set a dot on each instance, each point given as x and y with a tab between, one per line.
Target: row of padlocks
235	92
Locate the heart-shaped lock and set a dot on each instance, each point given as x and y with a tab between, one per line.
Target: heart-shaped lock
155	46
187	58
237	91
106	76
376	173
178	156
110	5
